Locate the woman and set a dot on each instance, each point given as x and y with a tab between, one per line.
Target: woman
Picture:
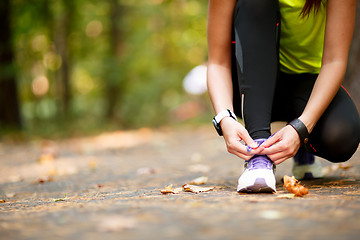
290	58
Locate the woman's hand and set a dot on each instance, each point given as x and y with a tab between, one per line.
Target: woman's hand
233	133
282	145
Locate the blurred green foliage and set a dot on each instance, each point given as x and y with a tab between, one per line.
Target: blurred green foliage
158	42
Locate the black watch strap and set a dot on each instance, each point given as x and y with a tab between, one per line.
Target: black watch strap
301	129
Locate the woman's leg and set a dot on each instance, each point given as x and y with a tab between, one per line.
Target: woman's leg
336	136
256	51
255	32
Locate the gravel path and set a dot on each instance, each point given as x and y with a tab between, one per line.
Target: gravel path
108	187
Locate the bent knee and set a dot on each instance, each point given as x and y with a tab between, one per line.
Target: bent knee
340	143
340	149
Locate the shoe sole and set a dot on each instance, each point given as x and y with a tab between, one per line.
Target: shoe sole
259	186
257	181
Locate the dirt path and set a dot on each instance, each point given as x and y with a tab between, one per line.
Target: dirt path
108	187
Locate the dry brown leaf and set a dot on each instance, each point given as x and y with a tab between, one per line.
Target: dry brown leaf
46	158
196	189
53	172
293	186
10	195
285	196
92	164
337	166
45	179
48	153
345	166
199	181
60	199
170	189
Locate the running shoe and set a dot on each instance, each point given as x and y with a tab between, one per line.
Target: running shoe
306	166
258	176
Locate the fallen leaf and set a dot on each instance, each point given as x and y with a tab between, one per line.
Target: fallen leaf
345	165
196	189
45	179
285	196
53	172
92	164
170	189
46	158
335	167
199	181
293	186
10	195
48	153
60	199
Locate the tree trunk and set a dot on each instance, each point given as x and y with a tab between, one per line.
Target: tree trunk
352	78
113	88
9	105
62	26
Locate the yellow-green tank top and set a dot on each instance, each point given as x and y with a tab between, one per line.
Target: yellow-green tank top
301	38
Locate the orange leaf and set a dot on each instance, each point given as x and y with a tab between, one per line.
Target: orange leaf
294	186
196	189
170	189
199	181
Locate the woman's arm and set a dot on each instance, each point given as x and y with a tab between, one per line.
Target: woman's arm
220	15
338	35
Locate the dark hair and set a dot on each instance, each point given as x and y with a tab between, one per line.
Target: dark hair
309	6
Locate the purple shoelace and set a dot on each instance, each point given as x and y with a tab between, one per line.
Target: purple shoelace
259	162
258	141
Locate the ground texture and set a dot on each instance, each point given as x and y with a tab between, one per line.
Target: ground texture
108	187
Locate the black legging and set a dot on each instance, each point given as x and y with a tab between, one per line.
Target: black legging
269	95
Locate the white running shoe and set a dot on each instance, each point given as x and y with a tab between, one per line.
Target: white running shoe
307	171
306	166
258	177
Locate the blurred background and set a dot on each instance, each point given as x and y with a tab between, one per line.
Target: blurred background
73	67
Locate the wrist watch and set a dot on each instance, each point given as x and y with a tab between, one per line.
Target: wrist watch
217	119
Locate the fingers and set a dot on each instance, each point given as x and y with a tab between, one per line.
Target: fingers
277	162
248	140
237	148
273	149
271	140
270	146
233	133
279	157
281	146
279	151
